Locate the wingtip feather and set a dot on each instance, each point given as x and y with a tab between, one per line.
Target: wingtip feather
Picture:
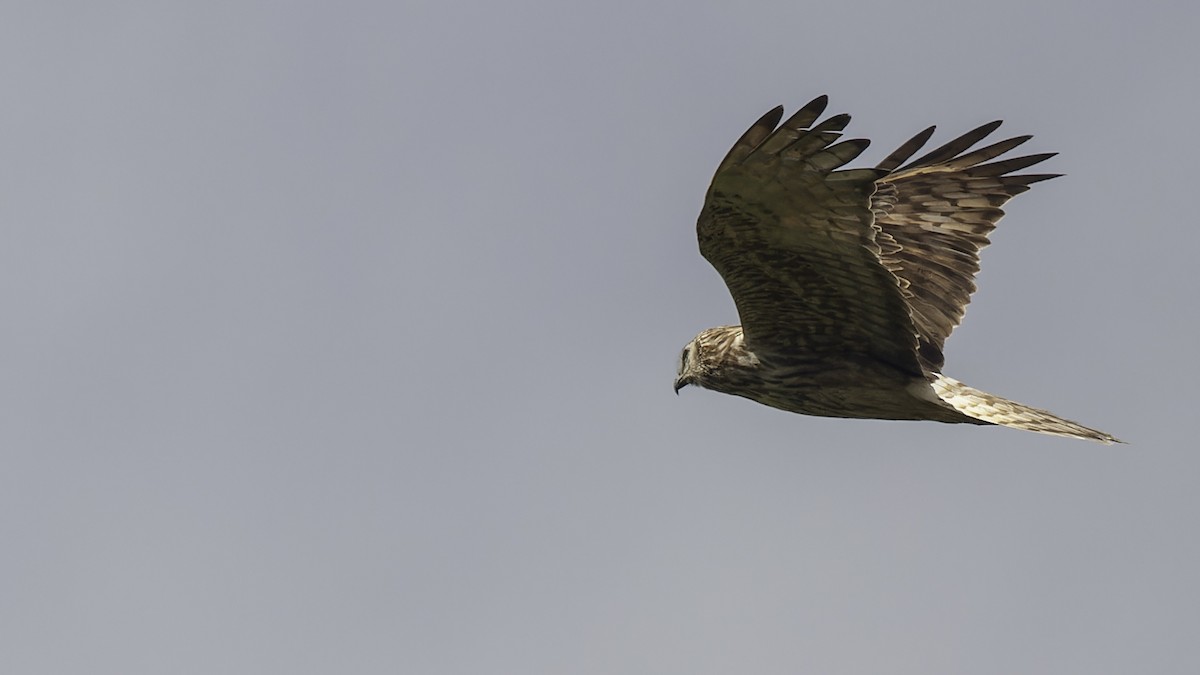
906	150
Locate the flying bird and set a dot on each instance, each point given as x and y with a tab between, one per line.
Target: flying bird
847	282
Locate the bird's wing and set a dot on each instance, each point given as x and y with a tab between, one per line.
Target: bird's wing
935	214
795	240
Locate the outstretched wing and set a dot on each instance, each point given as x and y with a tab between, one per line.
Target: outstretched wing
795	241
935	215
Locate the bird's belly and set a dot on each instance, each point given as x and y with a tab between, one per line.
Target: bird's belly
861	393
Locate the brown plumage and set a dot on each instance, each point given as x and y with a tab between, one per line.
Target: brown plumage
848	282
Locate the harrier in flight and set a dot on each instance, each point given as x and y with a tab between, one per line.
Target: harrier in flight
849	281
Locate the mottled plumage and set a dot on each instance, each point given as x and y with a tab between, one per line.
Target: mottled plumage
848	282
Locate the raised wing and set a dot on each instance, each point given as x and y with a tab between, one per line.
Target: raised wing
936	214
794	239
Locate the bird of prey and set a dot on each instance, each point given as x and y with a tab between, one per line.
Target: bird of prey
848	281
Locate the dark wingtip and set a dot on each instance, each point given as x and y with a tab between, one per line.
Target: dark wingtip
836	122
771	117
902	154
1039	177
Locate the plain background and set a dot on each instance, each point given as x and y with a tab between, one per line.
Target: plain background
339	338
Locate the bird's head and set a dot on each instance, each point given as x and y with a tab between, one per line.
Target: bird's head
689	362
703	361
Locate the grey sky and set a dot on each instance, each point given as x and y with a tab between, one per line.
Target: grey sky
339	338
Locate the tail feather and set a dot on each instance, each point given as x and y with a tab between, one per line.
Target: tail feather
995	410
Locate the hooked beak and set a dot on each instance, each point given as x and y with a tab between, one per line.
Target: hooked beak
681	383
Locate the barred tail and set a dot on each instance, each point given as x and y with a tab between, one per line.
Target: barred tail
995	410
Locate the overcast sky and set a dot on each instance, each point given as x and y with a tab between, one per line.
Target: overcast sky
339	338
